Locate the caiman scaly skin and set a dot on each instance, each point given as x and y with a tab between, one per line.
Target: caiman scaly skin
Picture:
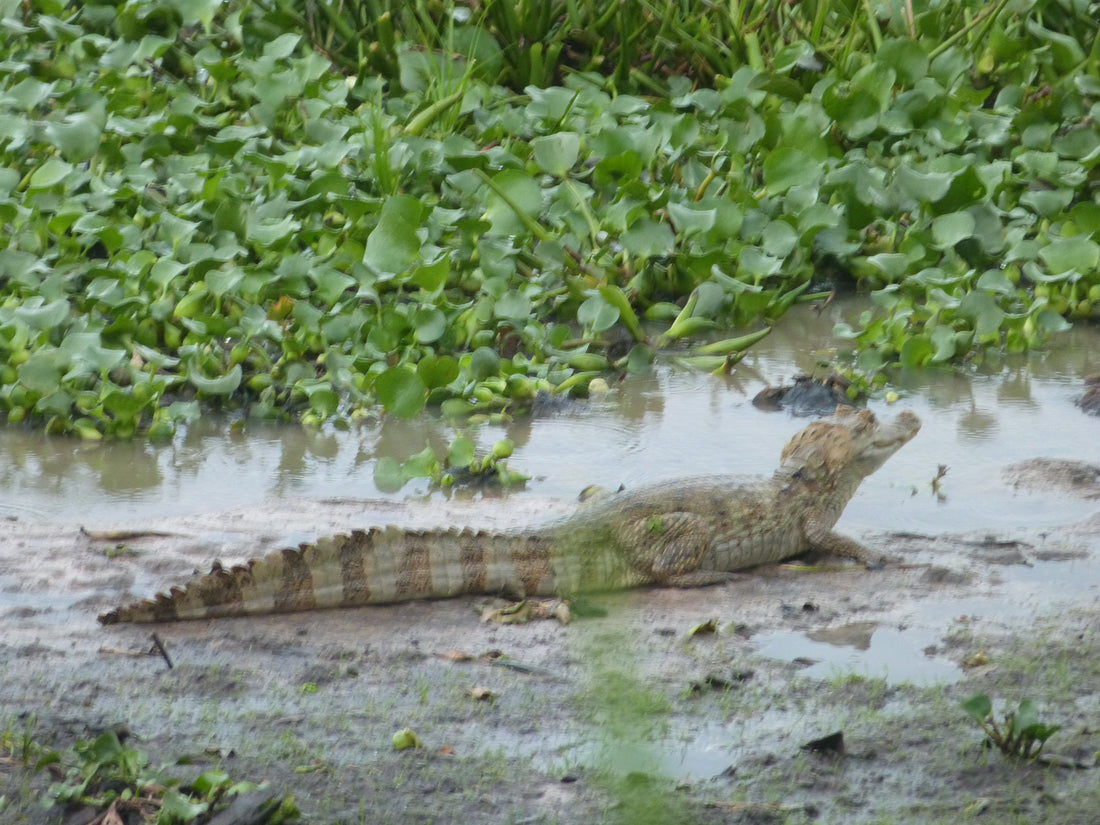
679	533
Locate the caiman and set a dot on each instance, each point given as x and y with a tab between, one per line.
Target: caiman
684	533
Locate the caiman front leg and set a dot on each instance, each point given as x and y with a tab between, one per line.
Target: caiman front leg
821	537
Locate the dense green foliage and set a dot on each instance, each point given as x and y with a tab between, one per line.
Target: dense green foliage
199	209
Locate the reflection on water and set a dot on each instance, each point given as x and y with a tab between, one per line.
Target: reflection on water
891	654
672	422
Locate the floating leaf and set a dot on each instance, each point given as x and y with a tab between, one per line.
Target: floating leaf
1078	252
514	198
437	371
50	173
41	372
461	452
950	229
484	362
556	154
514	306
388	475
597	314
421	465
222	385
428	324
77	135
401	391
393	245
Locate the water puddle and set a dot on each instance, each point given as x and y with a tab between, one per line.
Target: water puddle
896	655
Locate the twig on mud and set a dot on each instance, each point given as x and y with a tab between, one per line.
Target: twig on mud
159	646
761	809
520	667
125	535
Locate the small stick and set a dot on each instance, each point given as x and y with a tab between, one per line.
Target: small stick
124	535
159	645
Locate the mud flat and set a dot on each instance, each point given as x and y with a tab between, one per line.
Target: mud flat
621	717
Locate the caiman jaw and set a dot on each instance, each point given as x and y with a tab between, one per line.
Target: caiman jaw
898	432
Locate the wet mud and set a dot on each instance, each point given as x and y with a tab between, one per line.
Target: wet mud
626	716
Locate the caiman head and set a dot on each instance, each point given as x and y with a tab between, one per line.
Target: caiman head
849	444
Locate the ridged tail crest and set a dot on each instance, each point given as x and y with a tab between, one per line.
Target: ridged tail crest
373	566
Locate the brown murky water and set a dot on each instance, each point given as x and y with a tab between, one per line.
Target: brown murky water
673	422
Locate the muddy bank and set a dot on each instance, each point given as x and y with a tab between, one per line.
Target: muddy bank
625	717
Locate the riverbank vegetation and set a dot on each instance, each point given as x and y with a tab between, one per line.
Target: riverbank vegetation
313	211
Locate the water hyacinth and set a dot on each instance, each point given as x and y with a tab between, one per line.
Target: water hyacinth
214	205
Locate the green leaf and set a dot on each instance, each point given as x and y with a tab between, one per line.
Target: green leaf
222	385
690	220
916	351
323	400
177	807
978	707
484	362
39	315
1077	252
513	306
77	136
982	309
948	230
647	239
209	781
995	280
86	353
517	193
282	46
50	173
893	265
431	275
906	57
924	187
786	166
556	154
1026	715
401	391
224	280
428	324
393	245
437	371
123	405
617	298
389	477
597	314
461	453
1050	321
196	11
41	372
944	341
423	464
756	265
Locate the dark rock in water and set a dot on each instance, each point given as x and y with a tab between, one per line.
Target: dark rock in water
806	396
1090	401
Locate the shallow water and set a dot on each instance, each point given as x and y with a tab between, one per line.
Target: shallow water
670	423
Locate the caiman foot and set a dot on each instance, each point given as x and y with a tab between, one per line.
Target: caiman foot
701	578
528	610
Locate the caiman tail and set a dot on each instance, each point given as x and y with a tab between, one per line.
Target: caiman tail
375	566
